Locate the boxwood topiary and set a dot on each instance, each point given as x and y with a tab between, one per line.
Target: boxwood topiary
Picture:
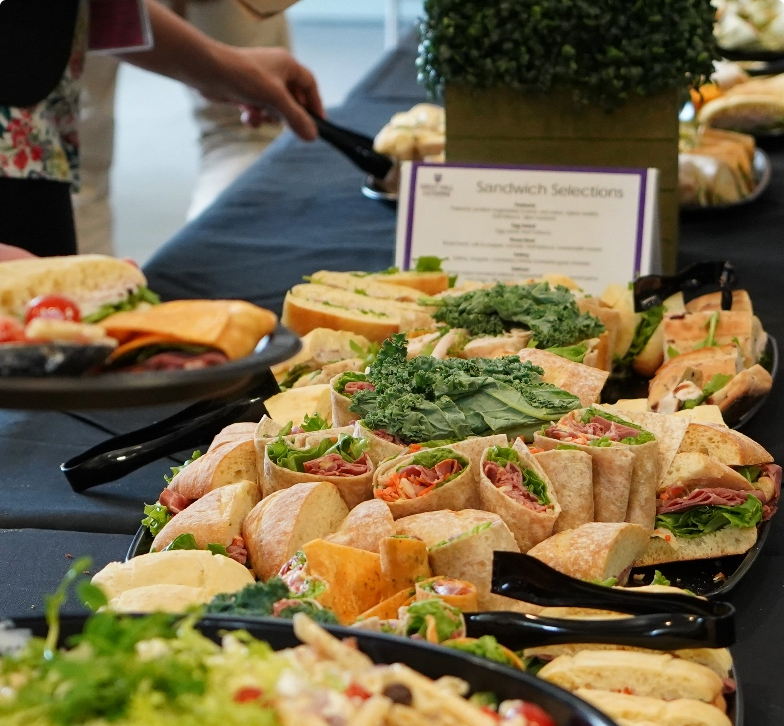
604	51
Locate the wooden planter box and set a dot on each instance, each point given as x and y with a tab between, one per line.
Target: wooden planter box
501	126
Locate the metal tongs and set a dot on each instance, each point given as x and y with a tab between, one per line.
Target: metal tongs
187	429
661	622
653	290
357	147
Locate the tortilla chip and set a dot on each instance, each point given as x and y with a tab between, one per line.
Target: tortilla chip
583	381
354	579
404	560
388	609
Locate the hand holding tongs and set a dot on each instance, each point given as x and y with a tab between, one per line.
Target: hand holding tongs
663	622
355	146
653	290
194	426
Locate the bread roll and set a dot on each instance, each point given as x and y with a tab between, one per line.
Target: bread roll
723	445
365	526
159	598
228	463
234	433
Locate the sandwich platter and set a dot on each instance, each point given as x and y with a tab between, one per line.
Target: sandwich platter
116	390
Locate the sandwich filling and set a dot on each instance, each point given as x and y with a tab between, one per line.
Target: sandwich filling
596	427
343	456
524	486
705	511
351	382
427	471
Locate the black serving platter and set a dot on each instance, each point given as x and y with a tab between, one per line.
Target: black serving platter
741	54
121	390
634	386
433	661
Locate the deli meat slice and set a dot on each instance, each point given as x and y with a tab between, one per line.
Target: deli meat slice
509	479
392	438
174	502
236	550
353	386
425	477
179	362
773	471
596	427
336	465
708	498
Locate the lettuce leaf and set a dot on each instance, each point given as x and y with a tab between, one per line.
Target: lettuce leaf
284	454
156	517
575	353
750	473
485	647
704	520
177	469
314	423
430	457
187	541
659	579
134	299
646	327
430	263
449	620
642	438
347	377
716	383
502	455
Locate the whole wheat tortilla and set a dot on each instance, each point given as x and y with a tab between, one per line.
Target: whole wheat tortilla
612	468
380	449
434	527
365	526
341	416
583	381
460	493
645	479
527	526
570	473
353	489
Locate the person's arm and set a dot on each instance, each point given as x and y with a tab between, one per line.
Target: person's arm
256	78
9	252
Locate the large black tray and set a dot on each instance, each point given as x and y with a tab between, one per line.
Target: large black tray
121	390
635	386
433	661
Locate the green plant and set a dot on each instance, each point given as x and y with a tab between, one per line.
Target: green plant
605	51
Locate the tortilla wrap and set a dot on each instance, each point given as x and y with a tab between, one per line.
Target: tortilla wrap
404	560
473	448
353	489
266	430
469	556
465	602
365	526
435	527
612	468
460	493
571	476
529	527
645	482
583	381
380	449
341	416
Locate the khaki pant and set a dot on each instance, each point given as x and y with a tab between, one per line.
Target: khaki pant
227	146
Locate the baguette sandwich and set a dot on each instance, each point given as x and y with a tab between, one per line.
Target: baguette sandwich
227	463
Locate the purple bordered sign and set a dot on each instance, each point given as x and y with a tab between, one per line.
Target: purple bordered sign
511	223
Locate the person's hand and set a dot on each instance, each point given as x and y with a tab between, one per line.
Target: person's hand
268	82
9	252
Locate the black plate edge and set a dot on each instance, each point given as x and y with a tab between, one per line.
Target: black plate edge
564	707
741	54
122	390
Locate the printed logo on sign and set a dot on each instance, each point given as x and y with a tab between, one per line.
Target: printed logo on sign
437	177
436	189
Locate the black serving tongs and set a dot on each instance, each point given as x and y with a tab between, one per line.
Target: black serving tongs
653	290
191	427
355	146
662	622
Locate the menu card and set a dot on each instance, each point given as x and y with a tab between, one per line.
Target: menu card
119	26
503	223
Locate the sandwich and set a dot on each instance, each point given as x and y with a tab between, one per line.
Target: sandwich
187	334
234	433
365	526
274	531
341	388
625	473
459	594
595	552
426	481
720	486
311	306
382	445
583	381
437	526
428	282
368	285
216	518
514	485
321	350
571	474
404	561
746	113
99	285
170	581
228	463
330	455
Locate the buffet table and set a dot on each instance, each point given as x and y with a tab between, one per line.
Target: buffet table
299	209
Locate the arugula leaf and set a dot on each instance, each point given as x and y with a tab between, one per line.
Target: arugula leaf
551	314
314	423
134	299
448	619
157	517
704	520
485	647
750	473
283	453
646	327
575	353
177	469
659	579
347	377
716	383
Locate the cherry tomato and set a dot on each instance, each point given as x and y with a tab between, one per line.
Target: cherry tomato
534	715
11	330
57	307
357	691
247	694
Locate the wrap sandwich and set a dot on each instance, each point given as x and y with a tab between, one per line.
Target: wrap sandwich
342	387
625	462
365	527
515	486
426	481
382	445
187	333
338	458
570	473
457	593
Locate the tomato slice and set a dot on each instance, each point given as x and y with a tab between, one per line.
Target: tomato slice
356	691
248	694
534	715
11	330
57	307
